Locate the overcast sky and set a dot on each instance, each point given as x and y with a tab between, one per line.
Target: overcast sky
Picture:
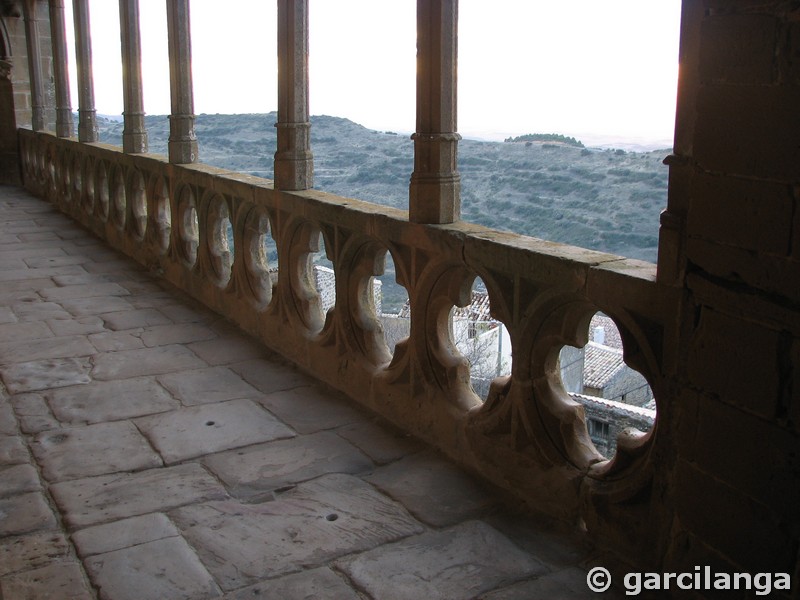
594	69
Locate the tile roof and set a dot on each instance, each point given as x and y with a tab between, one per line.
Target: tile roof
601	364
616	408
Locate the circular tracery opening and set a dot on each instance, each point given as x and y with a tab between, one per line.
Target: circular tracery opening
162	214
260	256
77	179
138	204
89	196
220	239
321	274
119	199
481	339
188	231
391	304
615	397
101	189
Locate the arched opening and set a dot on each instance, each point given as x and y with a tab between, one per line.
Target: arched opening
481	339
615	397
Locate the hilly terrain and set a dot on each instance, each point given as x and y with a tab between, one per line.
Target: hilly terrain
598	198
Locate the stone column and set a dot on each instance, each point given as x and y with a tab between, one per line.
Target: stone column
87	115
134	133
435	190
294	162
64	126
182	139
34	64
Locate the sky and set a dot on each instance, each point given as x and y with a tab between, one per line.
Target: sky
601	71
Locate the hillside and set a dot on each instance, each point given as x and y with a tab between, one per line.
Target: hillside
603	199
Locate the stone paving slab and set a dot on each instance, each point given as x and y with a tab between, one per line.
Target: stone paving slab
461	562
134	318
181	313
12	450
42	262
203	386
39	311
182	333
110	400
86	289
99	499
316	584
26	552
270	376
45	374
311	408
95	305
25	513
126	533
312	524
380	442
434	490
8	424
26	274
74	452
32	250
61	581
146	361
228	350
18	479
165	569
191	432
60	347
7	315
33	413
257	470
79	326
566	584
114	341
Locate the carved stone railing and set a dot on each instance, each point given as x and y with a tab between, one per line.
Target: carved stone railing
528	437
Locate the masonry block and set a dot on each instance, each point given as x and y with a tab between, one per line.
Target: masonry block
739	527
742	465
735	360
776	275
794	402
732	136
791	55
738	49
753	215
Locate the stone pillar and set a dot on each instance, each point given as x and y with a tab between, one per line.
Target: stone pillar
134	133
182	139
87	115
294	162
34	64
435	190
64	126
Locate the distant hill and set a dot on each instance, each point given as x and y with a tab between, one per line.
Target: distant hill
603	199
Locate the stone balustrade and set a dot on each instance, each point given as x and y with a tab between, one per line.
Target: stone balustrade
528	437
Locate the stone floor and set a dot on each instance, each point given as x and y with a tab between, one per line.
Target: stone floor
149	450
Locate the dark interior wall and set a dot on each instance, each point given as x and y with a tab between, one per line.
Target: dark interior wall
736	407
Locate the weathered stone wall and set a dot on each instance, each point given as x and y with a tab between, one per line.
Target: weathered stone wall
734	404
